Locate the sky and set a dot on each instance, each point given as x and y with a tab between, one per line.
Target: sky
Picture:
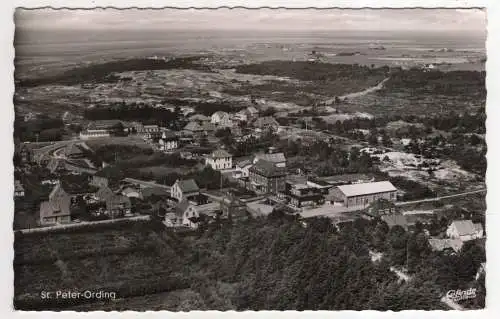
466	20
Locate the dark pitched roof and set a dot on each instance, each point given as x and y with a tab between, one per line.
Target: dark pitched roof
169	136
207	126
244	163
99	175
395	220
265	121
220	153
267	169
73	150
103	124
193	127
274	157
199	117
150	191
104	193
188	185
181	207
117	200
57	192
54	164
58	207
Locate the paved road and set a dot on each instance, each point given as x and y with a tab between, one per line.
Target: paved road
440	197
76	225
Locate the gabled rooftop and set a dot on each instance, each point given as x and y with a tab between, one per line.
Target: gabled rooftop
367	188
220	153
466	227
188	185
268	169
272	157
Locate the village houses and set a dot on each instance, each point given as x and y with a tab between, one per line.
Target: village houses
222	119
184	189
266	123
219	160
464	230
168	141
242	168
57	209
277	159
266	178
118	205
98	180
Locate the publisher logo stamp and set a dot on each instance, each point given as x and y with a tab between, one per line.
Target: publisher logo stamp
458	295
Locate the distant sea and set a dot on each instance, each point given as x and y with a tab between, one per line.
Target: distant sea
48	51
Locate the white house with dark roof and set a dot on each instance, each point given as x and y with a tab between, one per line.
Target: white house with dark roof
363	194
186	214
219	160
168	141
242	168
184	189
464	230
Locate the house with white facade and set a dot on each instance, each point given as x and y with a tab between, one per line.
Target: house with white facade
184	189
184	215
218	116
168	142
464	230
242	168
219	160
149	131
221	119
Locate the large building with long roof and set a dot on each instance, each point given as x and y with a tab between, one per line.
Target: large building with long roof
363	194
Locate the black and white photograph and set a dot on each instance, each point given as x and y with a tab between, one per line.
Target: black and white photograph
249	159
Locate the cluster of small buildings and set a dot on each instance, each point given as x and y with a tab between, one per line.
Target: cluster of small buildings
238	123
457	233
266	174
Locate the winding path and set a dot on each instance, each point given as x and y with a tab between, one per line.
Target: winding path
360	93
